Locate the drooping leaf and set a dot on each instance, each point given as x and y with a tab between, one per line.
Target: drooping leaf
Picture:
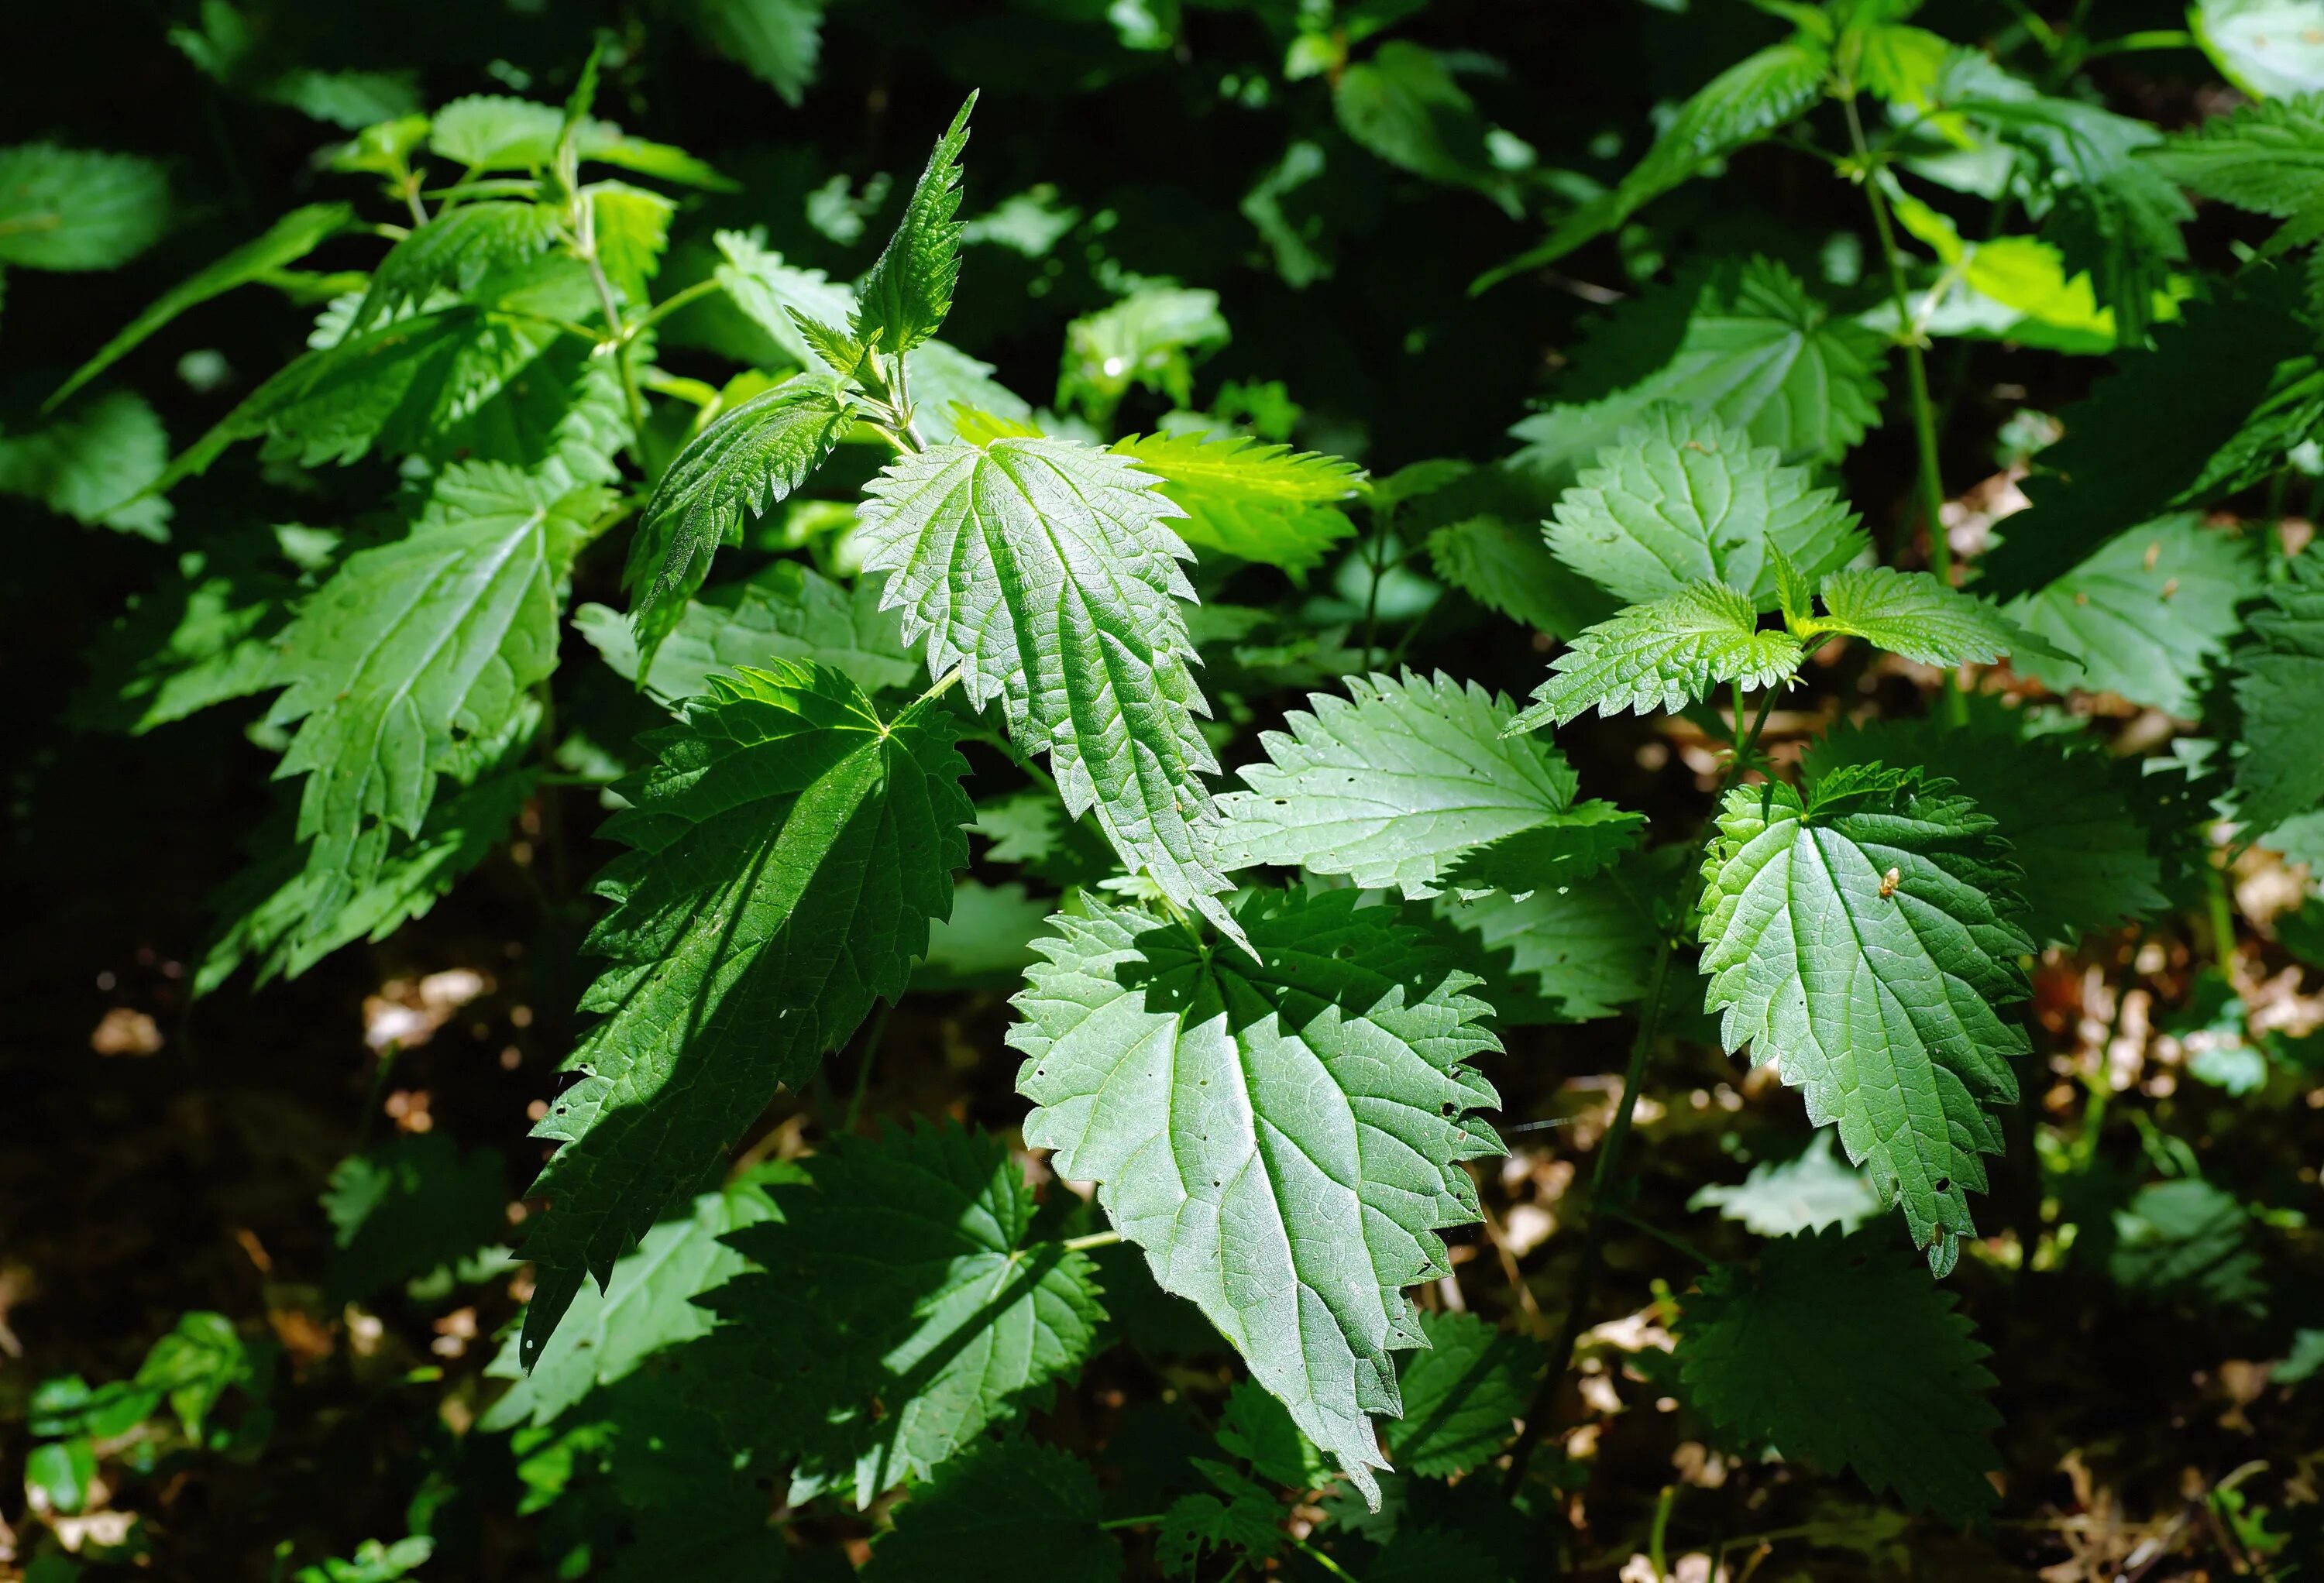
1750	347
1259	502
777	42
1392	784
1405	107
285	242
1757	96
907	293
749	459
2211	409
646	1307
1813	1189
2144	615
92	463
1463	1396
899	1309
789	848
1044	572
76	209
1833	1349
455	251
1282	1134
1681	499
1014	1510
1912	614
2069	815
417	654
1857	940
2279	689
1663	655
787	612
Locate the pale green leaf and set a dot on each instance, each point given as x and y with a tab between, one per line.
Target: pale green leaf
1751	347
1011	1511
987	942
489	132
418	653
1392	784
2279	689
749	459
789	848
1256	501
1681	499
1836	1351
1149	338
1857	942
1283	1134
74	210
908	291
1813	1189
2145	616
787	612
1044	572
1663	655
286	242
899	1309
1912	614
2270	49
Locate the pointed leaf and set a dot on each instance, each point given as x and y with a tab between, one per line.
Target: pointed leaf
1013	1511
77	210
1283	1135
455	251
1663	655
787	612
1912	614
2278	687
1260	503
1464	1395
907	293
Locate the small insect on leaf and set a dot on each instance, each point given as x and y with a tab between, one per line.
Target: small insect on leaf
1888	883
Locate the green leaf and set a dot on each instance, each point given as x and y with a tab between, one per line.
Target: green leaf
1405	107
455	251
73	209
1046	573
1749	347
2146	615
1682	499
290	908
987	943
1585	839
777	42
2269	49
1912	614
1580	953
1013	1511
1431	1555
1256	501
286	242
908	291
2187	1240
1879	1008
414	655
1663	655
1242	1520
1392	784
749	459
203	634
1259	1428
787	612
1283	1134
646	1307
1510	569
2226	391
1839	1352
489	132
1758	95
1463	1396
789	848
2279	684
409	1207
2069	811
2266	158
900	1308
632	233
94	465
1148	339
1813	1189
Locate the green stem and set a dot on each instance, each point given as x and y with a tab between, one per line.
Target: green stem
2221	918
670	305
1094	1239
1323	1561
1656	1533
1917	378
1145	1522
1379	552
863	1069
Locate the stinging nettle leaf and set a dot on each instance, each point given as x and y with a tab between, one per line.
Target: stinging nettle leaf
787	612
749	459
1912	614
1857	940
1681	499
908	291
2279	689
1260	503
1012	1511
1663	655
455	251
1834	1349
1045	572
1463	1396
789	848
77	210
1392	784
1283	1134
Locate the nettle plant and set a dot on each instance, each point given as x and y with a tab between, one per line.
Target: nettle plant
1254	1020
